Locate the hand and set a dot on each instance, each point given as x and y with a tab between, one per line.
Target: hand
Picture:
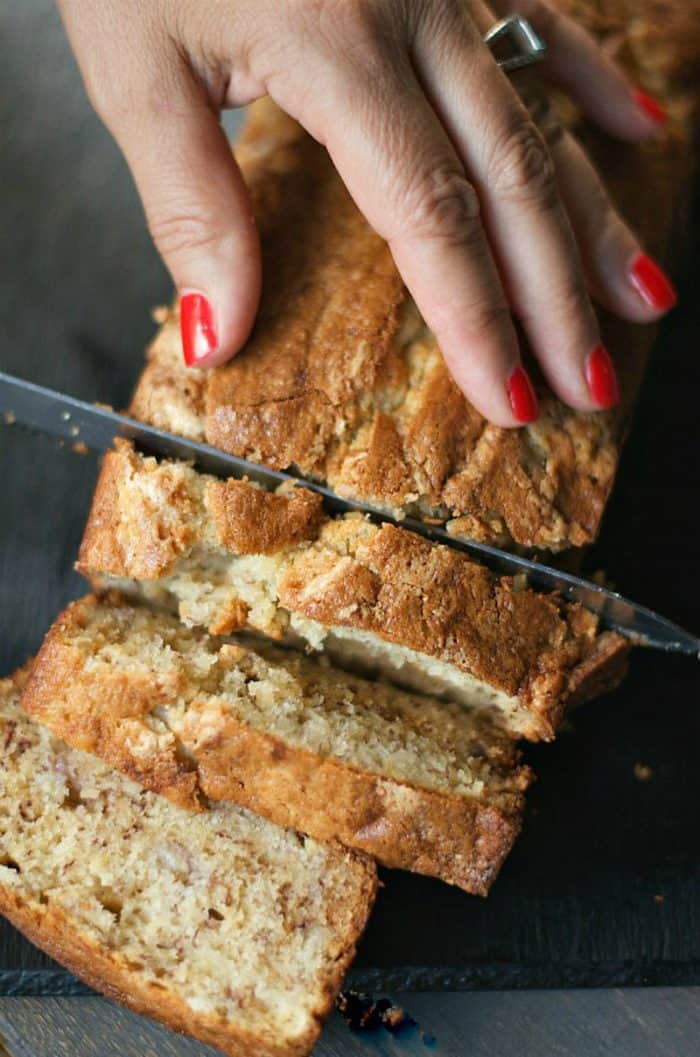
485	222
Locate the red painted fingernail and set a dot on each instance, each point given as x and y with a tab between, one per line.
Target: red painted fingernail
197	328
601	378
522	395
651	107
651	283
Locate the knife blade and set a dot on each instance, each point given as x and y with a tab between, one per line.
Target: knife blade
95	426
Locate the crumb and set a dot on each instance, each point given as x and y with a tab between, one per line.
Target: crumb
643	772
362	1013
658	898
520	582
102	407
74	431
9	418
160	313
80	447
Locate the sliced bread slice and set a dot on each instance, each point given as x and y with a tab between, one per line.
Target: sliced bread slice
419	784
220	924
227	556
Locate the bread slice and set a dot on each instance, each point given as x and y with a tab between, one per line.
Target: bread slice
420	785
227	556
343	380
220	924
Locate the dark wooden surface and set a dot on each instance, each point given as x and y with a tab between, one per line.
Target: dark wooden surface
604	886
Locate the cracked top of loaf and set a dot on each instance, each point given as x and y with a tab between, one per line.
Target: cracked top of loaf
342	380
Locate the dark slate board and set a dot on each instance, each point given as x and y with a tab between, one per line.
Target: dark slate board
604	886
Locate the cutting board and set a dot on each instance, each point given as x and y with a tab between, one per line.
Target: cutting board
603	887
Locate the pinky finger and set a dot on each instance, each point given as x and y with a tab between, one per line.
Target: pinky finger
620	275
581	65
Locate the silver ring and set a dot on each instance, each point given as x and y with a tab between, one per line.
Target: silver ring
515	44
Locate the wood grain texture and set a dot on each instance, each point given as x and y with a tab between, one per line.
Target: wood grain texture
610	1023
577	902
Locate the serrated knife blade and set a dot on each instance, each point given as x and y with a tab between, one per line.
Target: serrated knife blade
36	407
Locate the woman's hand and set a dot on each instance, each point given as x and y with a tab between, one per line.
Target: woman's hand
484	219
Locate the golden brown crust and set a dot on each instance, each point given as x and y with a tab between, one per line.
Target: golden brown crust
344	572
126	528
146	515
461	839
341	379
432	599
250	521
457	839
600	671
108	722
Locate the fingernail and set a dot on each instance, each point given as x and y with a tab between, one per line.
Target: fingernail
651	107
522	396
197	328
651	283
601	378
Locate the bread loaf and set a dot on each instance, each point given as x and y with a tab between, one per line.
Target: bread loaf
341	377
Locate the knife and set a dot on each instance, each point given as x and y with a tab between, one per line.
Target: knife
96	427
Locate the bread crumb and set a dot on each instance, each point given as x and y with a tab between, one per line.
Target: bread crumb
80	447
658	898
102	407
362	1013
643	772
160	313
9	418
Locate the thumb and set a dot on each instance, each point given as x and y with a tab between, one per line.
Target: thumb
199	215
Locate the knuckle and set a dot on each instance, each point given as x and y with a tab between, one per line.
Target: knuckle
362	14
117	100
183	232
523	170
445	206
569	309
358	21
488	317
102	93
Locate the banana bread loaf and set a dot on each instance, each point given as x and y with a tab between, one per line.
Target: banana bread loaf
422	785
219	924
342	379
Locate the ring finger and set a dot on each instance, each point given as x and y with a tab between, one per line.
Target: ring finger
508	161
